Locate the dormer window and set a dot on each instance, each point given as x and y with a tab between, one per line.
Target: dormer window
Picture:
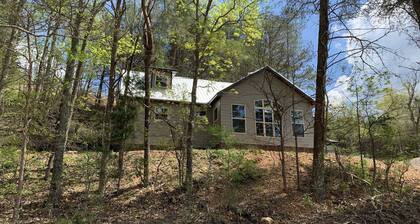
161	82
162	78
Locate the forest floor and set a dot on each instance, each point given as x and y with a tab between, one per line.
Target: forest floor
225	191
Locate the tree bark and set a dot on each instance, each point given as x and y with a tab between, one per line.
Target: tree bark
65	113
148	44
27	121
359	135
191	116
103	174
373	151
10	45
318	172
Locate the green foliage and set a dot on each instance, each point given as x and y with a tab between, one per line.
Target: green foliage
237	167
308	201
222	33
246	171
356	169
9	160
123	118
221	137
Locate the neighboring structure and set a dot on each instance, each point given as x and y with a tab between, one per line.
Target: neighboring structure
243	109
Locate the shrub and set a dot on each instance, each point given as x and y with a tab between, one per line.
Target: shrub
237	168
9	160
247	170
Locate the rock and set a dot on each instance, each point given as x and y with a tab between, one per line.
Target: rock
267	220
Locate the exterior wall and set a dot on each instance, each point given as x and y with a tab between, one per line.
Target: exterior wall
254	88
246	93
160	132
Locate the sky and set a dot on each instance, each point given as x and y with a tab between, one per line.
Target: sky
397	52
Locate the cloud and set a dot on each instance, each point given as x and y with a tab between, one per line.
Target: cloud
339	94
396	49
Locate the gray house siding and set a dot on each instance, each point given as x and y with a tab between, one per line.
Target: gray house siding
250	90
160	132
219	113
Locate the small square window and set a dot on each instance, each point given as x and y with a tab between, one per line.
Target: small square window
161	82
161	113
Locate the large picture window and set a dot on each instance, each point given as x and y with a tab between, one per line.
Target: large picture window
298	123
264	119
238	118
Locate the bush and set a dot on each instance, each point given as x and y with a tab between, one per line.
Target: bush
9	160
237	168
247	170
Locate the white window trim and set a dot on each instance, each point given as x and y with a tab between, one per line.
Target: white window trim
274	123
300	122
238	118
155	113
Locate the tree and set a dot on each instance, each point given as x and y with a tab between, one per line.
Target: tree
26	126
9	46
209	21
148	44
65	107
119	9
318	170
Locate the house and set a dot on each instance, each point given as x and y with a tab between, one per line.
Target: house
243	110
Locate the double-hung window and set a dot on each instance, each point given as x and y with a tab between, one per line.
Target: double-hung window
238	118
298	123
264	119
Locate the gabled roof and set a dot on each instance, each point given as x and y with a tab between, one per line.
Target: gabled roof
207	90
275	73
181	89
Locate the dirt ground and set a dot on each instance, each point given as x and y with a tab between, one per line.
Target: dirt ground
216	199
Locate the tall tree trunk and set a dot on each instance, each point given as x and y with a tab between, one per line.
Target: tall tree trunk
80	63
27	121
318	173
50	59
283	162
10	44
65	112
359	135
373	151
103	174
148	44
125	104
